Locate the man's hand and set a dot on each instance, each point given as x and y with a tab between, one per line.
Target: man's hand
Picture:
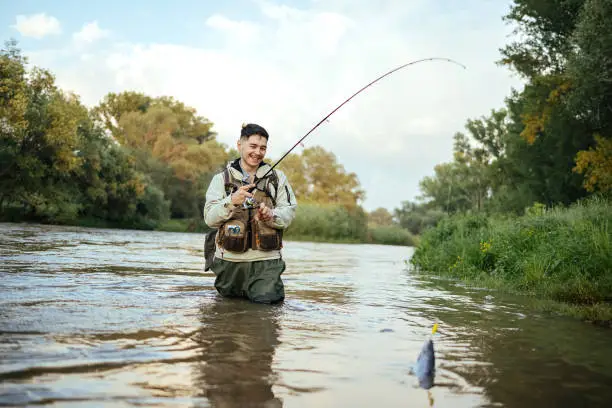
264	213
241	194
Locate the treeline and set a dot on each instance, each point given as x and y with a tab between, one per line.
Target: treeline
551	143
135	161
143	162
132	161
529	184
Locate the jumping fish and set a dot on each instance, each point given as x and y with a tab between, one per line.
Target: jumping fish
425	367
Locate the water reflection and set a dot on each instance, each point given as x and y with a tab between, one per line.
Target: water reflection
238	340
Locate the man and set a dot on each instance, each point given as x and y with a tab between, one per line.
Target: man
249	222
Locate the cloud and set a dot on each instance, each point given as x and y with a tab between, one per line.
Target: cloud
37	25
288	68
241	30
90	33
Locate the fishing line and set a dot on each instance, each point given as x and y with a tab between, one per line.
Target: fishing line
351	97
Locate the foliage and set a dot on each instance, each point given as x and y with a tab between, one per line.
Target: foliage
328	222
550	143
380	217
56	164
135	159
59	165
560	254
338	223
390	235
142	162
596	164
467	182
416	217
317	177
544	27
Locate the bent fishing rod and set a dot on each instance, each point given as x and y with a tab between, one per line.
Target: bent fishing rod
347	100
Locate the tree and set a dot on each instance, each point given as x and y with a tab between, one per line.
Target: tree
317	177
468	181
590	70
596	164
57	164
417	217
39	137
115	105
174	146
380	216
545	28
564	55
187	124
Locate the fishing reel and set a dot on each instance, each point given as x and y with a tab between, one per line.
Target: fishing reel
249	202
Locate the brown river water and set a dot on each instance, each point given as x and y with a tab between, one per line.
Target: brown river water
120	318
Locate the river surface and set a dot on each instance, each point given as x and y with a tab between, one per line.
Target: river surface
119	318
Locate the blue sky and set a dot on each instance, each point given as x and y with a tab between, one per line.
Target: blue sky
285	65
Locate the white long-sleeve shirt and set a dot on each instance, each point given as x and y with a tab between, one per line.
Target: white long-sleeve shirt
218	209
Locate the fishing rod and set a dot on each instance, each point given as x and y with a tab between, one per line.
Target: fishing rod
351	97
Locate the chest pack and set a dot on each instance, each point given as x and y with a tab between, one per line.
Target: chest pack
242	231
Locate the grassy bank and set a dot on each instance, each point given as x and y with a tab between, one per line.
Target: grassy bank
561	257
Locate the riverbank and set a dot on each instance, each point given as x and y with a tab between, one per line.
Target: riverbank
561	257
313	223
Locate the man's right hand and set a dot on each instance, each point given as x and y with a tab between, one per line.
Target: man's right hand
241	194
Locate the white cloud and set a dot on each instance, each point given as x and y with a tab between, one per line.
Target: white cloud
289	69
37	25
90	33
241	30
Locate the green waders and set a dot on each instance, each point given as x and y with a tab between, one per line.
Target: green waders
259	281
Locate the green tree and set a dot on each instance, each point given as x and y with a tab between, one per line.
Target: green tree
466	183
590	72
563	54
545	28
417	217
38	138
57	164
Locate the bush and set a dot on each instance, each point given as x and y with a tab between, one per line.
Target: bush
334	223
562	254
391	235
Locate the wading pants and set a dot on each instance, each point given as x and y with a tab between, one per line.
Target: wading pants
258	281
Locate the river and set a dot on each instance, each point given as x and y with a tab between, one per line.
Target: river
121	318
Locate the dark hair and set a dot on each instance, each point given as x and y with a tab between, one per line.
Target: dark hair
251	129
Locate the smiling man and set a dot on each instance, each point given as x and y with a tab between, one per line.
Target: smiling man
249	213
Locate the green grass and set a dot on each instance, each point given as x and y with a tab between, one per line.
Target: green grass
561	255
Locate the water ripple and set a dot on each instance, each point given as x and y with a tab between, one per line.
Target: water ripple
97	317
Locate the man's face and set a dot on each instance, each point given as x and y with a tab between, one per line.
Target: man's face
253	150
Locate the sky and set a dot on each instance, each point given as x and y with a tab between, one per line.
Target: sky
286	65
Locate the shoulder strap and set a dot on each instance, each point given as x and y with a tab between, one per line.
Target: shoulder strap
273	180
230	187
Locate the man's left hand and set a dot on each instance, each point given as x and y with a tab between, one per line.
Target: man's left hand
264	213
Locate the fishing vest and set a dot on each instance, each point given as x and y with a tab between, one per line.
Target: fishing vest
242	231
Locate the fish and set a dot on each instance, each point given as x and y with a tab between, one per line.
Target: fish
425	367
